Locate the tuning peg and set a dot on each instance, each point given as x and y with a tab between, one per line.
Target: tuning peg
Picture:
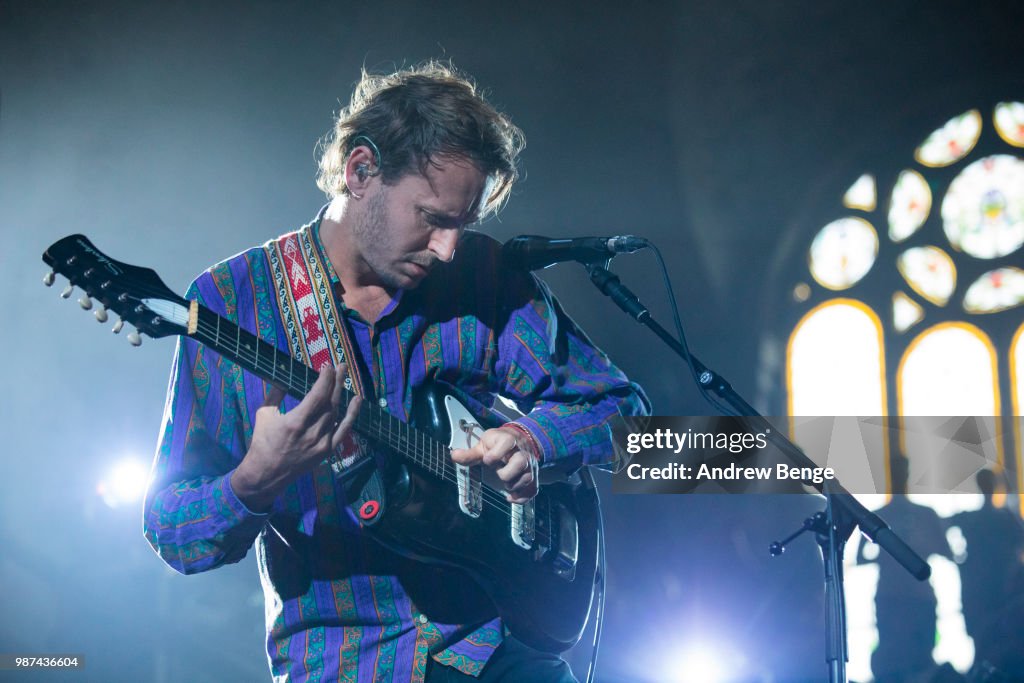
101	314
67	291
85	302
116	329
134	339
48	278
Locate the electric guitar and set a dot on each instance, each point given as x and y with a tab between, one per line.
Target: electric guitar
536	561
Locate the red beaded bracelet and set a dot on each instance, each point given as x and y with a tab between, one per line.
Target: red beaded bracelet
533	448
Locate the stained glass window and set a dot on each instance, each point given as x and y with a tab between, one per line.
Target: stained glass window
909	205
835	363
1017	380
1009	121
949	369
905	312
836	367
837	344
983	211
952	142
930	272
996	290
1017	373
843	252
862	194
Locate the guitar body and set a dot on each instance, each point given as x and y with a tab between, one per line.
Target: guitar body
543	592
534	564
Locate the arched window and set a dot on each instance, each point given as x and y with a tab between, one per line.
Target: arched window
1017	378
930	250
949	370
954	226
836	361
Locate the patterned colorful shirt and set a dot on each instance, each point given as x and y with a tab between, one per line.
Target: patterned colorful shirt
338	607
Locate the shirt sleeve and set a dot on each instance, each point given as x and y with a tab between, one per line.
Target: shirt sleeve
575	395
192	517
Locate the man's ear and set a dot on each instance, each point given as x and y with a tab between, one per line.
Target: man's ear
360	169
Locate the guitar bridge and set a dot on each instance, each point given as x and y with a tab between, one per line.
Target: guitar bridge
560	526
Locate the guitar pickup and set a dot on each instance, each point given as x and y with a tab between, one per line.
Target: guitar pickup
471	496
463	434
523	527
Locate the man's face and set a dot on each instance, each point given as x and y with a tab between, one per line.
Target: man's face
410	226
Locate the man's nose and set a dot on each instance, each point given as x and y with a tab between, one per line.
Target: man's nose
443	243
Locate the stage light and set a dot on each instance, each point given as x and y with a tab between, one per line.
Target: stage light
125	484
700	663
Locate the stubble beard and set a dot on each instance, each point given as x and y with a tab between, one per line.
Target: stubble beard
374	239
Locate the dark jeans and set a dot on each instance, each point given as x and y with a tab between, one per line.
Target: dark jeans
512	662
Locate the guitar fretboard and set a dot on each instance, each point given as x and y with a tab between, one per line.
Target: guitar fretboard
296	378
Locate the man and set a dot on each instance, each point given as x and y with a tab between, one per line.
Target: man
387	285
990	573
905	607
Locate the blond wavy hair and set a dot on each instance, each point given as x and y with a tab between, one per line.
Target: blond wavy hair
419	116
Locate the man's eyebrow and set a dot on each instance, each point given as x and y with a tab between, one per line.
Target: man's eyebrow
446	218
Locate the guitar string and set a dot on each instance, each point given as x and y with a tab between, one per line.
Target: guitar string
381	432
489	495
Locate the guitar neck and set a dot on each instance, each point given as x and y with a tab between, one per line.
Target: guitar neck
296	379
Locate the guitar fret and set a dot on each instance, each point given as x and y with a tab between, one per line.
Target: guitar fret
373	422
291	372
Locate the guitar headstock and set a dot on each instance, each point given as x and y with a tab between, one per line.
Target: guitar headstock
135	294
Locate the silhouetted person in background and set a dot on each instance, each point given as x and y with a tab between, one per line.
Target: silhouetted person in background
904	606
990	575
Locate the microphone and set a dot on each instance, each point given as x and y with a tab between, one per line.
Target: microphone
531	252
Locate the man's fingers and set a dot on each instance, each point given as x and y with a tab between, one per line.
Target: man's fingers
522	472
467	456
338	392
311	407
494	449
345	426
499	449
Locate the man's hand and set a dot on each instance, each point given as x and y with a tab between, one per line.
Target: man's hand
286	446
506	451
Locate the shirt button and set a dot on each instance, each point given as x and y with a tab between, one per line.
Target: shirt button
383	403
423	618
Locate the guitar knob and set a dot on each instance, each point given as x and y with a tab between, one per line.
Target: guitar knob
101	314
116	329
85	302
48	279
67	291
134	339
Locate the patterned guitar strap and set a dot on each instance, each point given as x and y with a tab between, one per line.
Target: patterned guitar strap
318	336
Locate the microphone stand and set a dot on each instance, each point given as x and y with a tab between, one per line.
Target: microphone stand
843	513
